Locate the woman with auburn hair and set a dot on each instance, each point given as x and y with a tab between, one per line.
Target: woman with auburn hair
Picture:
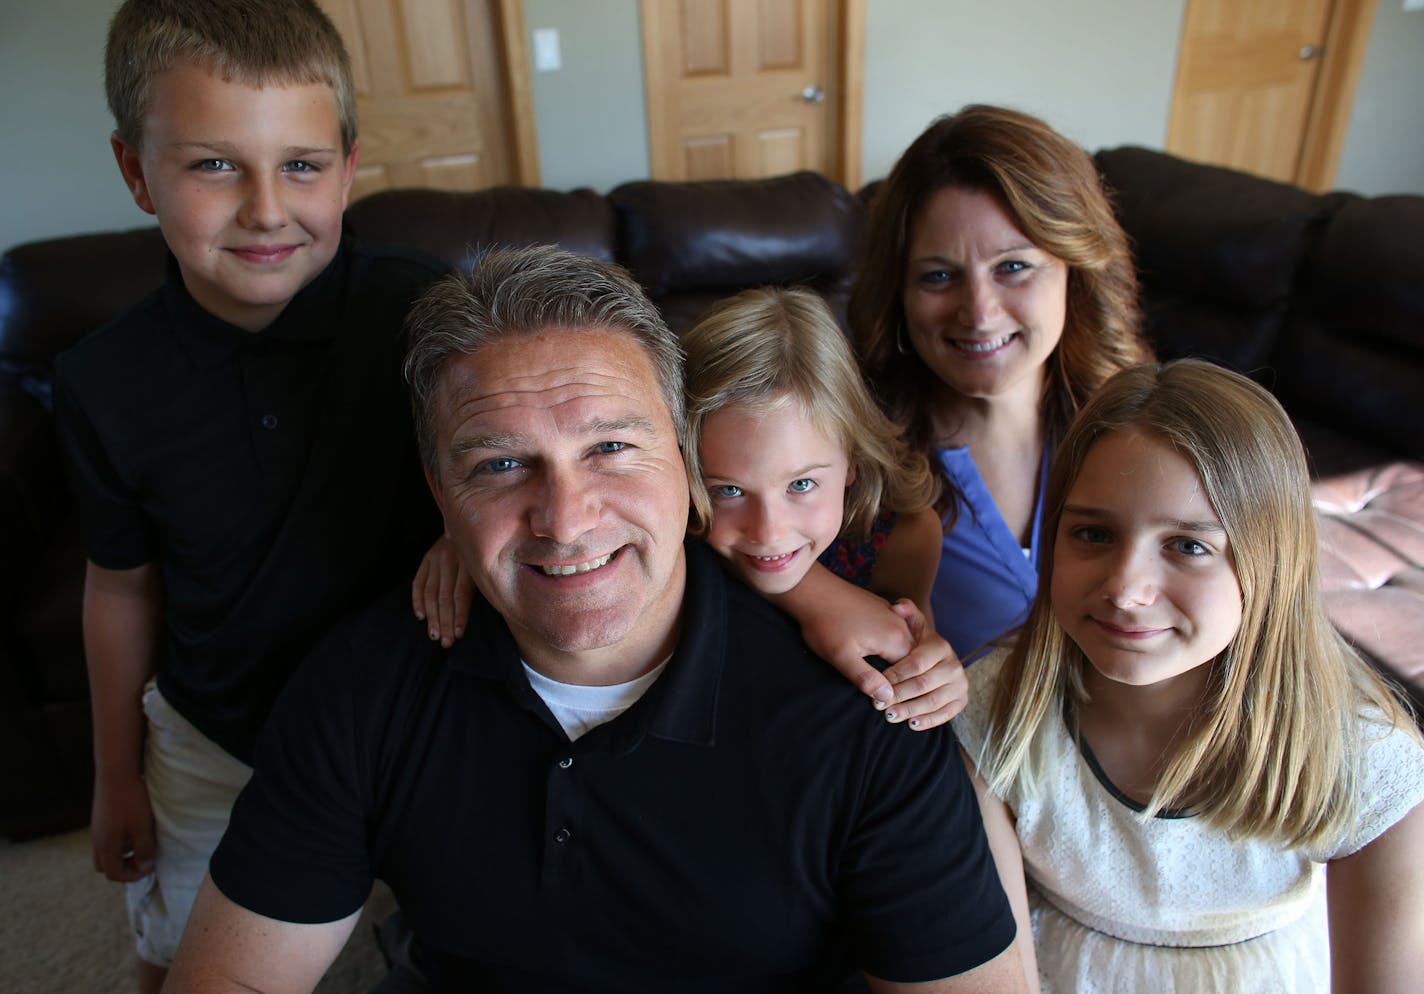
997	294
1191	757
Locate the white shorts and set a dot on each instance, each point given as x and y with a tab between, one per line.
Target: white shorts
192	784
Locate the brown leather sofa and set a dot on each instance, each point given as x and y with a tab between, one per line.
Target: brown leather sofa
1320	297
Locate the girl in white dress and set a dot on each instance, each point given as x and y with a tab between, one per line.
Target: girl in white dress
1190	758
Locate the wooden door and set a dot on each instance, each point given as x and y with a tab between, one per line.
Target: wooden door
1266	85
441	91
751	88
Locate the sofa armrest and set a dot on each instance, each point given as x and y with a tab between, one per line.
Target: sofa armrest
45	763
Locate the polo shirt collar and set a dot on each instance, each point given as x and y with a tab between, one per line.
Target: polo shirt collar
208	340
681	706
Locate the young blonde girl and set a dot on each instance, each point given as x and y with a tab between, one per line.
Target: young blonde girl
1180	741
797	476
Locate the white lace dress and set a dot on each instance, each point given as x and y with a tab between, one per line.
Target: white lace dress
1167	904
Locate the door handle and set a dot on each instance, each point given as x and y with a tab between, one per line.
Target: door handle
1311	52
813	94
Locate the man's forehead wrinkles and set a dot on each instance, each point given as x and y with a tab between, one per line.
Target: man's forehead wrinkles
547	385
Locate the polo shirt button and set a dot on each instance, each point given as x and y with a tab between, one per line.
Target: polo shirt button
563	835
269	421
566	762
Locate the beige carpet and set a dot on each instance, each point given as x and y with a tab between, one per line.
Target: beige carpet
63	929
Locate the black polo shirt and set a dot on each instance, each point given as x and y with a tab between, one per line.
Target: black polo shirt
749	825
273	476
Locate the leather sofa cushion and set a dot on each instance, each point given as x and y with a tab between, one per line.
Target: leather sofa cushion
719	234
1218	252
1372	562
54	292
1353	344
456	227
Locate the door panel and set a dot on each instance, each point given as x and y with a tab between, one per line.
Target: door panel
431	93
725	82
1246	77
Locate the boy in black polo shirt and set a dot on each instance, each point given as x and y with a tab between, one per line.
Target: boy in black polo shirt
240	440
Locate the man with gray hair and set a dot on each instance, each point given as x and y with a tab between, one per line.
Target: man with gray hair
630	775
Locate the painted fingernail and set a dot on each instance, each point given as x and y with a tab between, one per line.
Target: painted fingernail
914	723
434	635
889	715
880	705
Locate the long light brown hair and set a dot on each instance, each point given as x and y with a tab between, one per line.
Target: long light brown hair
1275	751
1052	192
760	346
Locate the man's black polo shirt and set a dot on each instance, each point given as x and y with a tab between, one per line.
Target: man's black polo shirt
273	476
745	826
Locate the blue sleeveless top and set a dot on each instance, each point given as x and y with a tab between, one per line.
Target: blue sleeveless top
986	580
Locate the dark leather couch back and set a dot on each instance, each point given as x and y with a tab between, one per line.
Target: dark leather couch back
53	293
1318	297
457	227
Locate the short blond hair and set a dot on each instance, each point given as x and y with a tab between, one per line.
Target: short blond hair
760	346
258	42
1277	753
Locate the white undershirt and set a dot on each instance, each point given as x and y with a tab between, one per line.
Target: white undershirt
580	708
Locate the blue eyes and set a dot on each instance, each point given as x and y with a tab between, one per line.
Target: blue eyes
299	166
943	277
507	464
730	491
1182	546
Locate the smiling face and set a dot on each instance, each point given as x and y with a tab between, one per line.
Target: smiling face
248	184
563	488
1142	575
984	307
777	485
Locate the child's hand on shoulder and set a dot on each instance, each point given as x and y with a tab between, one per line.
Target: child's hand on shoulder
441	591
852	625
929	683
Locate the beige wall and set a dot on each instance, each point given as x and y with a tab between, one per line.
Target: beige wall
1384	146
1099	70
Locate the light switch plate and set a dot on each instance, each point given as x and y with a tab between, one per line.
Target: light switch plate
546	50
